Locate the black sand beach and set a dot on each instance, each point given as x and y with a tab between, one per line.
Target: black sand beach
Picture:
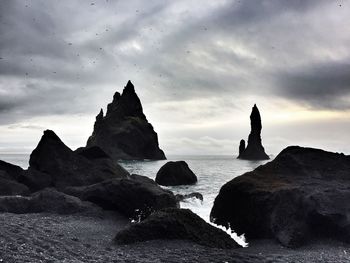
77	238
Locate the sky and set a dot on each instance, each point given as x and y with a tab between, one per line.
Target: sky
198	67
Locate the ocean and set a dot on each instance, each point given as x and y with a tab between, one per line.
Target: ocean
212	173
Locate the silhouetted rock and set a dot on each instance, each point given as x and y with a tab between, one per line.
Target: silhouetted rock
92	153
135	197
48	200
65	167
176	224
304	193
254	150
241	147
175	173
125	133
9	175
12	171
181	198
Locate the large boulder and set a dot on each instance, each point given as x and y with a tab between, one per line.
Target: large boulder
48	200
175	173
64	167
254	150
9	184
124	132
135	197
175	223
303	194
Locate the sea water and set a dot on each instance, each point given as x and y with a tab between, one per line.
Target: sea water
212	173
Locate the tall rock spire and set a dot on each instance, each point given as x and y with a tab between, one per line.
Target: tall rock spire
254	150
125	133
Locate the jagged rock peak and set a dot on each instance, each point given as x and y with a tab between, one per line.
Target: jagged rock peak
126	105
100	115
129	88
50	135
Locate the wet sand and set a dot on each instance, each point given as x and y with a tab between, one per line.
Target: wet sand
77	238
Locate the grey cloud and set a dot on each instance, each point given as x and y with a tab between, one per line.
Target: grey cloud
320	86
179	60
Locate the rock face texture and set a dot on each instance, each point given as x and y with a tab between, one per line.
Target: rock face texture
9	180
254	150
303	194
175	223
125	133
48	200
175	173
53	164
136	197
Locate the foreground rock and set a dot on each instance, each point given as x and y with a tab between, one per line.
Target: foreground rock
254	150
125	133
9	176
53	164
135	197
176	224
175	173
303	194
48	200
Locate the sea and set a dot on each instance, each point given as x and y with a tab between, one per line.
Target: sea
212	171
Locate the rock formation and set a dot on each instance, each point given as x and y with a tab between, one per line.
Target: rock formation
175	223
125	133
135	197
9	183
302	194
48	200
175	173
254	150
241	147
54	162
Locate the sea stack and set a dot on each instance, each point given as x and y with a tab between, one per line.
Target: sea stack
124	133
254	150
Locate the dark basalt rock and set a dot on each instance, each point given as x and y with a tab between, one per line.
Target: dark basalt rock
9	175
48	200
125	133
254	150
12	171
176	224
175	173
241	147
11	187
65	167
303	194
135	197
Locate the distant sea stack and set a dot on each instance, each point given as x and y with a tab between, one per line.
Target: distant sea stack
124	133
254	150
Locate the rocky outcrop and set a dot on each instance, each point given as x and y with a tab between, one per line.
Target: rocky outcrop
175	173
254	150
48	200
124	132
135	197
64	167
303	194
176	224
9	184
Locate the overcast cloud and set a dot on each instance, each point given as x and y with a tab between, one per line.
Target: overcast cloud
198	67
